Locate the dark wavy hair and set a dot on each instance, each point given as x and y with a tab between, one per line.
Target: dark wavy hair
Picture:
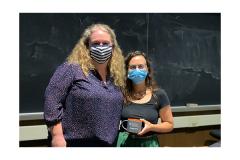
149	81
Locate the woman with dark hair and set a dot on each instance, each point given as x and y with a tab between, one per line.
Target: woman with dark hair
145	104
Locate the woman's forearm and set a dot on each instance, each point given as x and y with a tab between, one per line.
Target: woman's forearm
56	129
163	127
58	139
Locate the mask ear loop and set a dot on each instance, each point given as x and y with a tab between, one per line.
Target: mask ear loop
121	124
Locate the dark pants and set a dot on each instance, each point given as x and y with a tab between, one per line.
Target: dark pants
89	142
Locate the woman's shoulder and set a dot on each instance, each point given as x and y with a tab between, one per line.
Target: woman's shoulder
159	91
71	68
162	97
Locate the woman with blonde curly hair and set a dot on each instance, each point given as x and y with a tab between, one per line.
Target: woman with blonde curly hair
83	100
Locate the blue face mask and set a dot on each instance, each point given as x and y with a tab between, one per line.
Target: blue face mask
137	75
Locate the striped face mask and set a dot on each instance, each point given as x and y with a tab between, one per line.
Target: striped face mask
100	53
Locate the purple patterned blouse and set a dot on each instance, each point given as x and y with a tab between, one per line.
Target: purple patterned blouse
86	107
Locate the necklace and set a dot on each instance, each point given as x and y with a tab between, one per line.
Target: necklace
138	95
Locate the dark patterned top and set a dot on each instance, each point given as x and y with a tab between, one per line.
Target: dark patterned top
86	107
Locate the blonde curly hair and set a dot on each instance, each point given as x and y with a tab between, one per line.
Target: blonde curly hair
81	55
